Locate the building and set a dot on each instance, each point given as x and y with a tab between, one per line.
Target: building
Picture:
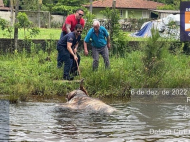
127	8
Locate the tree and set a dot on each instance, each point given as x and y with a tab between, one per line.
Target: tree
29	5
170	5
6	3
23	22
4	25
64	7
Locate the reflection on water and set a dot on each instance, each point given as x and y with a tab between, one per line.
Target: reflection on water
4	120
138	122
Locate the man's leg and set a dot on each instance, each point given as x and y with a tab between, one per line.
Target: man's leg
95	56
67	65
105	54
60	57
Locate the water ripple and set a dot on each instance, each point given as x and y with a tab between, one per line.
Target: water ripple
135	122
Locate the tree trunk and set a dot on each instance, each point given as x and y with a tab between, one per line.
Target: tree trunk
15	27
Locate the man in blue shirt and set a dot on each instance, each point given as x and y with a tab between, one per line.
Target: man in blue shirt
100	44
67	48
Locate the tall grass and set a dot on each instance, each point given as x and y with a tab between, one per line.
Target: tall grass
24	74
178	73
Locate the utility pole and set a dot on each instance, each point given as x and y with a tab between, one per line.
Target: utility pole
114	4
112	25
15	27
90	6
39	5
11	5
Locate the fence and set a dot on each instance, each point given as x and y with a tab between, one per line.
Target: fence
127	25
46	20
7	45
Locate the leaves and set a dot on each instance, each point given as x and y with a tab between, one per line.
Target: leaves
3	23
23	22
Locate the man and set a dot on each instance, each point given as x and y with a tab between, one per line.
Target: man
71	21
99	44
67	48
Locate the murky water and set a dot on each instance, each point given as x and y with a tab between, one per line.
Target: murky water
4	120
134	121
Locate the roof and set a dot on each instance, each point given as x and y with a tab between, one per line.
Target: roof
5	8
167	11
2	6
133	4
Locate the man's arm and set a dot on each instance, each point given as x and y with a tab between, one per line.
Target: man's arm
75	49
87	40
71	51
85	48
108	42
68	28
108	37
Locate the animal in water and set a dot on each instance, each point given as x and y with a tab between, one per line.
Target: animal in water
80	101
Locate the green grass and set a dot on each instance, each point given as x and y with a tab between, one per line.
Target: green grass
24	75
54	34
44	34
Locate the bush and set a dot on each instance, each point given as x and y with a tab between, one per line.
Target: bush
153	60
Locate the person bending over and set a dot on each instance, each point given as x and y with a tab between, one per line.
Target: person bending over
67	52
100	44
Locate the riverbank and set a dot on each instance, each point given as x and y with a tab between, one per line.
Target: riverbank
25	74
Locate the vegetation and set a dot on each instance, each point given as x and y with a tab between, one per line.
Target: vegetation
24	75
32	73
23	22
63	7
53	34
153	60
7	30
66	7
27	74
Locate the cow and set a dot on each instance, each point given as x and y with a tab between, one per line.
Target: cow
78	100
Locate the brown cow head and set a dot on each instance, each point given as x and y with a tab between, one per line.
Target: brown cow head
81	91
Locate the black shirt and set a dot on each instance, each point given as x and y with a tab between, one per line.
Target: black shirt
70	37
